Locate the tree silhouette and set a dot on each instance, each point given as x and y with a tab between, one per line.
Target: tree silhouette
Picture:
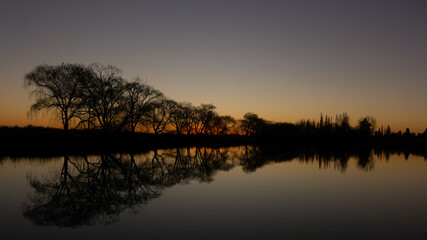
189	112
158	115
106	100
139	99
223	124
388	131
251	124
97	97
206	114
343	122
178	116
408	133
60	88
367	126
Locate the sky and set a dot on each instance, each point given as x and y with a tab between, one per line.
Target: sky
283	60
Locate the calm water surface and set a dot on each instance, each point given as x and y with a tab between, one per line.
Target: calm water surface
203	193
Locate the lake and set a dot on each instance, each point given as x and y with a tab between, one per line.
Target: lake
223	193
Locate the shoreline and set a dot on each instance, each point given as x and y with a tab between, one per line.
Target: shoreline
38	141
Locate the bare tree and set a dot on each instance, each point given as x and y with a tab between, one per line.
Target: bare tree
189	112
179	117
138	100
158	115
59	88
222	124
206	115
105	94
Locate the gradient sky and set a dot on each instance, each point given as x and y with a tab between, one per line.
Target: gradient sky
284	60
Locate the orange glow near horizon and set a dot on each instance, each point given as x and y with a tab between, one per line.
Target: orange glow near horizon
284	61
268	103
21	118
15	103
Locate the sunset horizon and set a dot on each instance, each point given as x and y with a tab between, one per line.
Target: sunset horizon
213	119
46	118
284	61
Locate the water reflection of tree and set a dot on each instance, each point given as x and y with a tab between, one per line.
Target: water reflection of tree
96	189
88	192
365	159
253	158
92	191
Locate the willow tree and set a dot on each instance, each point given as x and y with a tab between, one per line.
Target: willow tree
58	88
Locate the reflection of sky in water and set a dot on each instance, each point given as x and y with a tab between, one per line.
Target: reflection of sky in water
289	198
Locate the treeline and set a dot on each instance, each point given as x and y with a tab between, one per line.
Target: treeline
332	132
98	97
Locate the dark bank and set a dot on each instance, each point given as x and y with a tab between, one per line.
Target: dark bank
38	141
